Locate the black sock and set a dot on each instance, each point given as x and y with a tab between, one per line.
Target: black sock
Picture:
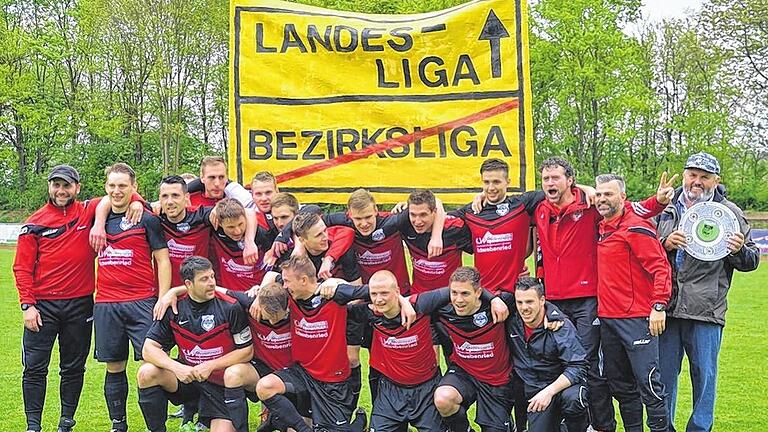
116	394
33	389
284	414
457	422
237	407
355	384
154	407
373	383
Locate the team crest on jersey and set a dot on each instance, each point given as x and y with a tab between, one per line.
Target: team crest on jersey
268	216
316	300
241	244
206	322
502	209
577	215
378	235
24	230
480	319
182	227
125	224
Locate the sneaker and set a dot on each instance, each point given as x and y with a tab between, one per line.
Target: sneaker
119	426
66	425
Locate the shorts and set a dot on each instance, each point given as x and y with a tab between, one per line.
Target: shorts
398	406
331	402
494	403
117	323
355	332
299	400
209	395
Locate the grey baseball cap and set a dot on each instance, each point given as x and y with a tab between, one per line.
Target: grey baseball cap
703	161
64	172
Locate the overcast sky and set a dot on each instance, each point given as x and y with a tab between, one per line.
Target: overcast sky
657	10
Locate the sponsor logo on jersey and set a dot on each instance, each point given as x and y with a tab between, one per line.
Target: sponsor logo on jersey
400	343
242	270
474	351
81	227
275	341
113	256
311	330
241	244
125	224
179	250
491	242
49	232
369	258
182	227
378	235
429	267
24	230
206	322
198	355
480	319
502	209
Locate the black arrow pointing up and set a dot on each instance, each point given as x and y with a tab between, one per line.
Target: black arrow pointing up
493	31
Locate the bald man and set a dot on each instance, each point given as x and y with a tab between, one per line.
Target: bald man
404	394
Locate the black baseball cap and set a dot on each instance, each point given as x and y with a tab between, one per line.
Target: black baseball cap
64	172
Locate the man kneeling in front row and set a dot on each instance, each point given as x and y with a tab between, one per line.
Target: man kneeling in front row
212	333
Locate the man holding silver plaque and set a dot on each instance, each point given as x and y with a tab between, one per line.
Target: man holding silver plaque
706	238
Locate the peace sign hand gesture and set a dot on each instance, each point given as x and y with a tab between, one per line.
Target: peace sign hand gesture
666	189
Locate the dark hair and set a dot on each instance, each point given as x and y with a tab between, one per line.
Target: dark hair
466	274
605	178
423	196
301	265
121	168
303	222
175	179
528	283
494	164
557	161
285	199
192	265
273	298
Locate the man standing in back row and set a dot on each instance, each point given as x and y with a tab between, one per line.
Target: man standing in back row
696	313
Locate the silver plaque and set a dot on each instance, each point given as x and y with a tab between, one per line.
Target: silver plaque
707	227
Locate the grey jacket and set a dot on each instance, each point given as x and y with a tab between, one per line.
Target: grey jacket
700	288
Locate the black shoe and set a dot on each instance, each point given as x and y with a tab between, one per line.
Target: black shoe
266	424
66	424
119	426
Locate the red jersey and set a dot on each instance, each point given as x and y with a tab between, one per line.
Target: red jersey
232	271
198	199
126	271
318	338
632	267
188	237
500	235
568	241
54	260
380	250
271	342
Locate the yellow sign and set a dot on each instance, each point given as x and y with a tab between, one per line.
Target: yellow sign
331	101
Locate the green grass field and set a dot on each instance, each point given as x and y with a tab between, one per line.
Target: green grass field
740	405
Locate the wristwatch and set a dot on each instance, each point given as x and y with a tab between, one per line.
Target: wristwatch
659	307
25	306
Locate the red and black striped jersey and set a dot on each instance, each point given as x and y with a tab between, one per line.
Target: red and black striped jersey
54	260
188	237
126	271
203	331
380	250
500	235
479	345
232	271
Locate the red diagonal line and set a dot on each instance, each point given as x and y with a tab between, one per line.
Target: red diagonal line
398	141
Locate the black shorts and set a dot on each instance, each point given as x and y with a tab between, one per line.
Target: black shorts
261	368
120	322
355	332
397	406
331	403
494	403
